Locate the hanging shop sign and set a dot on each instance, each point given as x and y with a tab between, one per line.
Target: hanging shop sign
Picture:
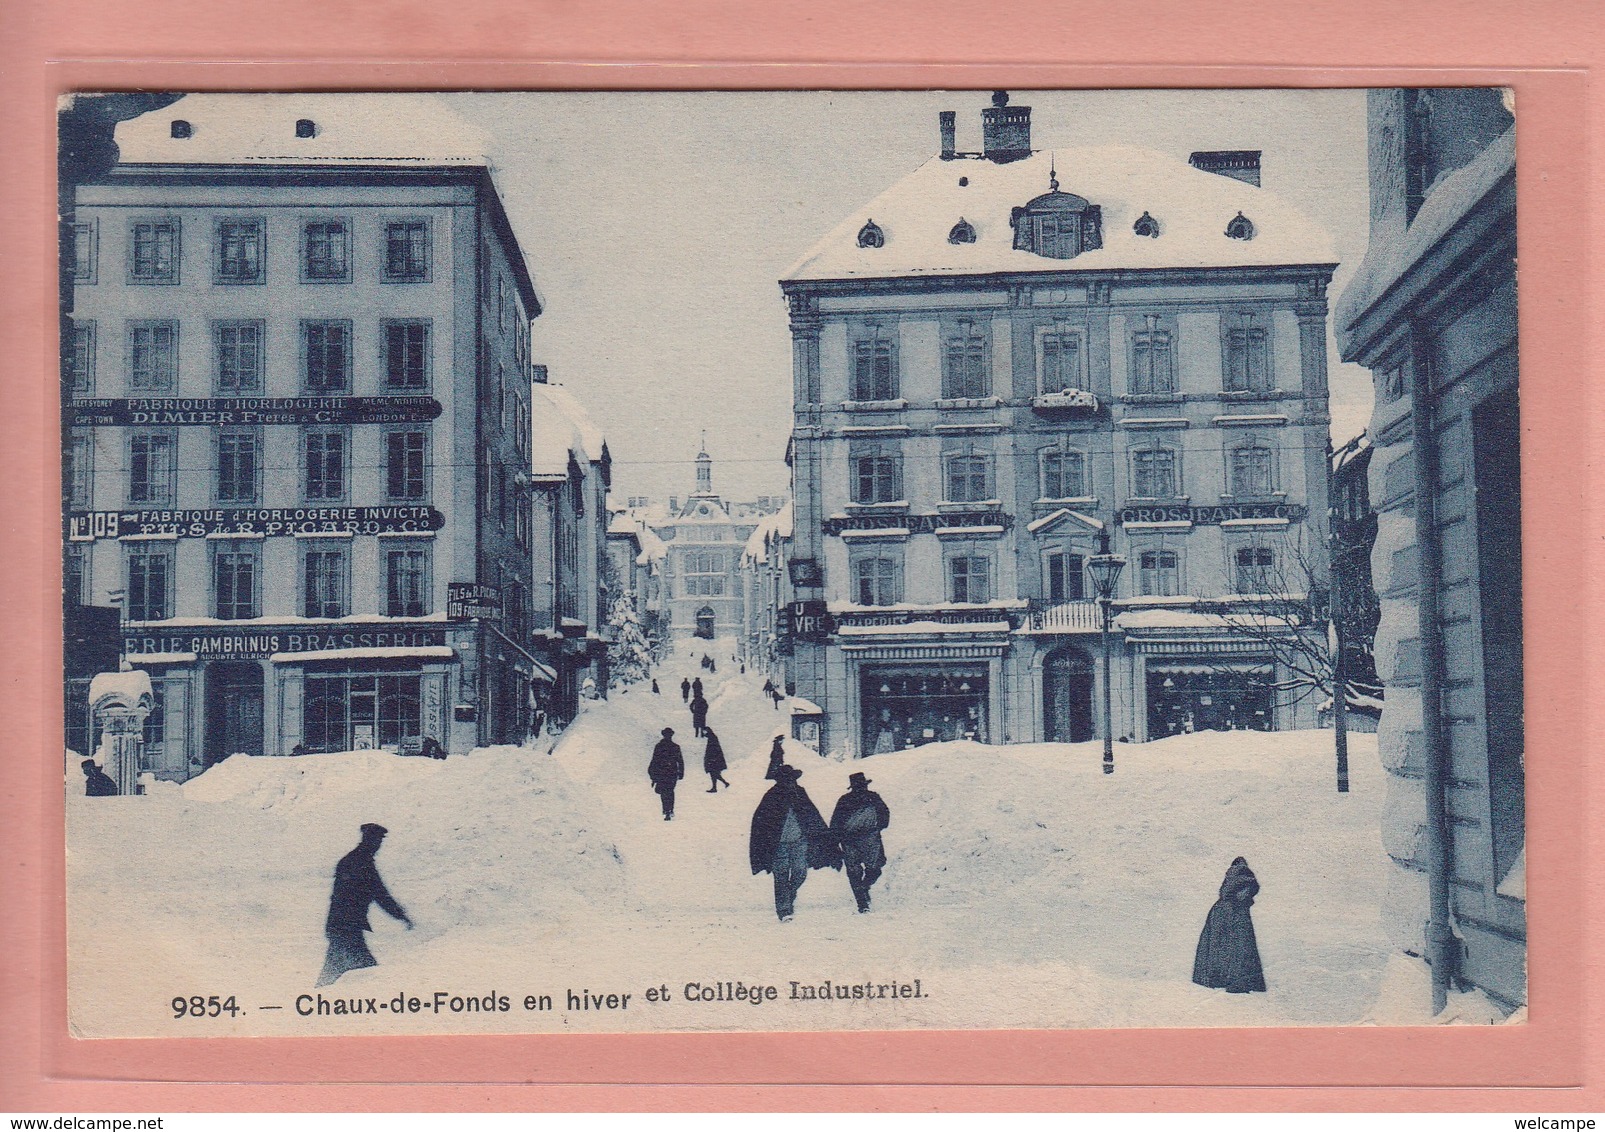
858	619
806	621
1211	515
467	600
250	410
198	522
806	572
261	642
917	524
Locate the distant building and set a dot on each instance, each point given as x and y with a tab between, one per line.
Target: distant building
1432	313
635	557
766	638
1355	607
1008	354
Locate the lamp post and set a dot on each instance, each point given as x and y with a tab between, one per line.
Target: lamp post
1105	570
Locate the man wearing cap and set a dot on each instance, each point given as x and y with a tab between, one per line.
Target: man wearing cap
856	823
789	838
666	768
356	885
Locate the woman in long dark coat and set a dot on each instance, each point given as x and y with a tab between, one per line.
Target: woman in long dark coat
713	763
1228	953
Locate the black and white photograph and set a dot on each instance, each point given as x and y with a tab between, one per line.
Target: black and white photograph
791	561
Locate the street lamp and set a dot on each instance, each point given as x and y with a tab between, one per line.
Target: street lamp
1105	570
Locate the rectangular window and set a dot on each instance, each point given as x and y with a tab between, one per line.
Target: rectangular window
1256	570
704	573
968	479
83	358
405	461
970	579
875	581
964	363
324	464
1065	577
150	577
152	355
75	579
1159	573
1061	362
876	479
239	252
1247	363
1153	369
1251	472
1154	473
1063	475
406	361
239	463
324	576
237	350
81	478
325	251
406	581
326	355
407	251
85	253
874	370
151	468
235	580
153	252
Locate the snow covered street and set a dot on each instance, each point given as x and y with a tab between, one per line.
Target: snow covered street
1024	888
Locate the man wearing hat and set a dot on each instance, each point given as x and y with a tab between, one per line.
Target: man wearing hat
97	783
666	768
789	838
856	823
356	885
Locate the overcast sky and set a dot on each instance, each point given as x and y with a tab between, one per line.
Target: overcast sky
657	226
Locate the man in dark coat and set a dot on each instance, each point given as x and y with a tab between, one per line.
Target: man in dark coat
1228	953
713	762
665	770
699	715
856	823
777	755
685	689
655	691
97	783
789	838
696	688
356	885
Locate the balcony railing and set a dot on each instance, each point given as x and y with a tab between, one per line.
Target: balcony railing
1066	617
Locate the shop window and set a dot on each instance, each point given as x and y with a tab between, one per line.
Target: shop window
239	465
1064	474
151	468
237	354
236	580
324	464
877	478
877	581
406	581
874	368
1247	361
969	579
83	358
406	361
1154	473
1159	573
150	583
407	252
1060	360
325	251
405	464
1256	570
1252	472
240	258
85	253
969	479
343	713
153	355
909	707
965	373
153	252
325	574
81	473
1066	577
1153	370
326	355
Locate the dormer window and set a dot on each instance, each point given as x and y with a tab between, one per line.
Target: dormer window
962	233
1240	228
871	236
1058	225
1146	226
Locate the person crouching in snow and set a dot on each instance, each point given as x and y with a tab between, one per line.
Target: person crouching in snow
856	823
1228	953
356	885
713	762
666	768
789	838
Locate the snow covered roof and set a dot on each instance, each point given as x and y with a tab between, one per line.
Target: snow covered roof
1192	208
778	525
559	426
235	129
562	398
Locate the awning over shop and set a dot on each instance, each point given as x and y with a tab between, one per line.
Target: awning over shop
423	652
1243	668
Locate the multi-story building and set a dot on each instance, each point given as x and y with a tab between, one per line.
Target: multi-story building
1432	312
1008	355
766	596
299	419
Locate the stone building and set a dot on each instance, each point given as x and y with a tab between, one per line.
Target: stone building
299	411
1008	354
1432	313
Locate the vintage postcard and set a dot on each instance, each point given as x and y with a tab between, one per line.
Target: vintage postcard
788	561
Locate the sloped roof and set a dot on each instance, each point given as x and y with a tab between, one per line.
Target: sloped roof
778	524
1192	208
553	436
562	399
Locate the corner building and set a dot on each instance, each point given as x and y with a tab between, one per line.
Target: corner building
1006	355
301	413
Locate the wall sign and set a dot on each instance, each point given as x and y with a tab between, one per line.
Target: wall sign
805	621
87	526
865	618
466	600
261	642
250	410
917	524
1218	514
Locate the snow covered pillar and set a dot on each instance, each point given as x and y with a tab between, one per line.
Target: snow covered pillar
121	702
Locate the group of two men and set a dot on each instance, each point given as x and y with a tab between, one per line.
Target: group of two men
789	837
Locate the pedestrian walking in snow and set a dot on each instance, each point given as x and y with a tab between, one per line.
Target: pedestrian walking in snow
665	770
713	762
712	665
696	687
356	885
777	755
655	691
699	714
778	695
1228	953
97	783
789	838
856	823
685	689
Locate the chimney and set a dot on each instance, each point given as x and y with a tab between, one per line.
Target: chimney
947	121
1005	130
1238	164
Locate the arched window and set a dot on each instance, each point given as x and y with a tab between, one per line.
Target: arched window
1146	226
1240	227
962	233
1058	225
871	236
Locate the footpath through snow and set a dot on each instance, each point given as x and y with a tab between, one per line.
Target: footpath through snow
1024	888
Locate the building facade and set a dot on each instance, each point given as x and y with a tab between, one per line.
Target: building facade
1432	313
299	411
766	597
1010	354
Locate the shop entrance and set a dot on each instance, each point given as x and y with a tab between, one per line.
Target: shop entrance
348	712
911	706
1209	697
1067	696
233	710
